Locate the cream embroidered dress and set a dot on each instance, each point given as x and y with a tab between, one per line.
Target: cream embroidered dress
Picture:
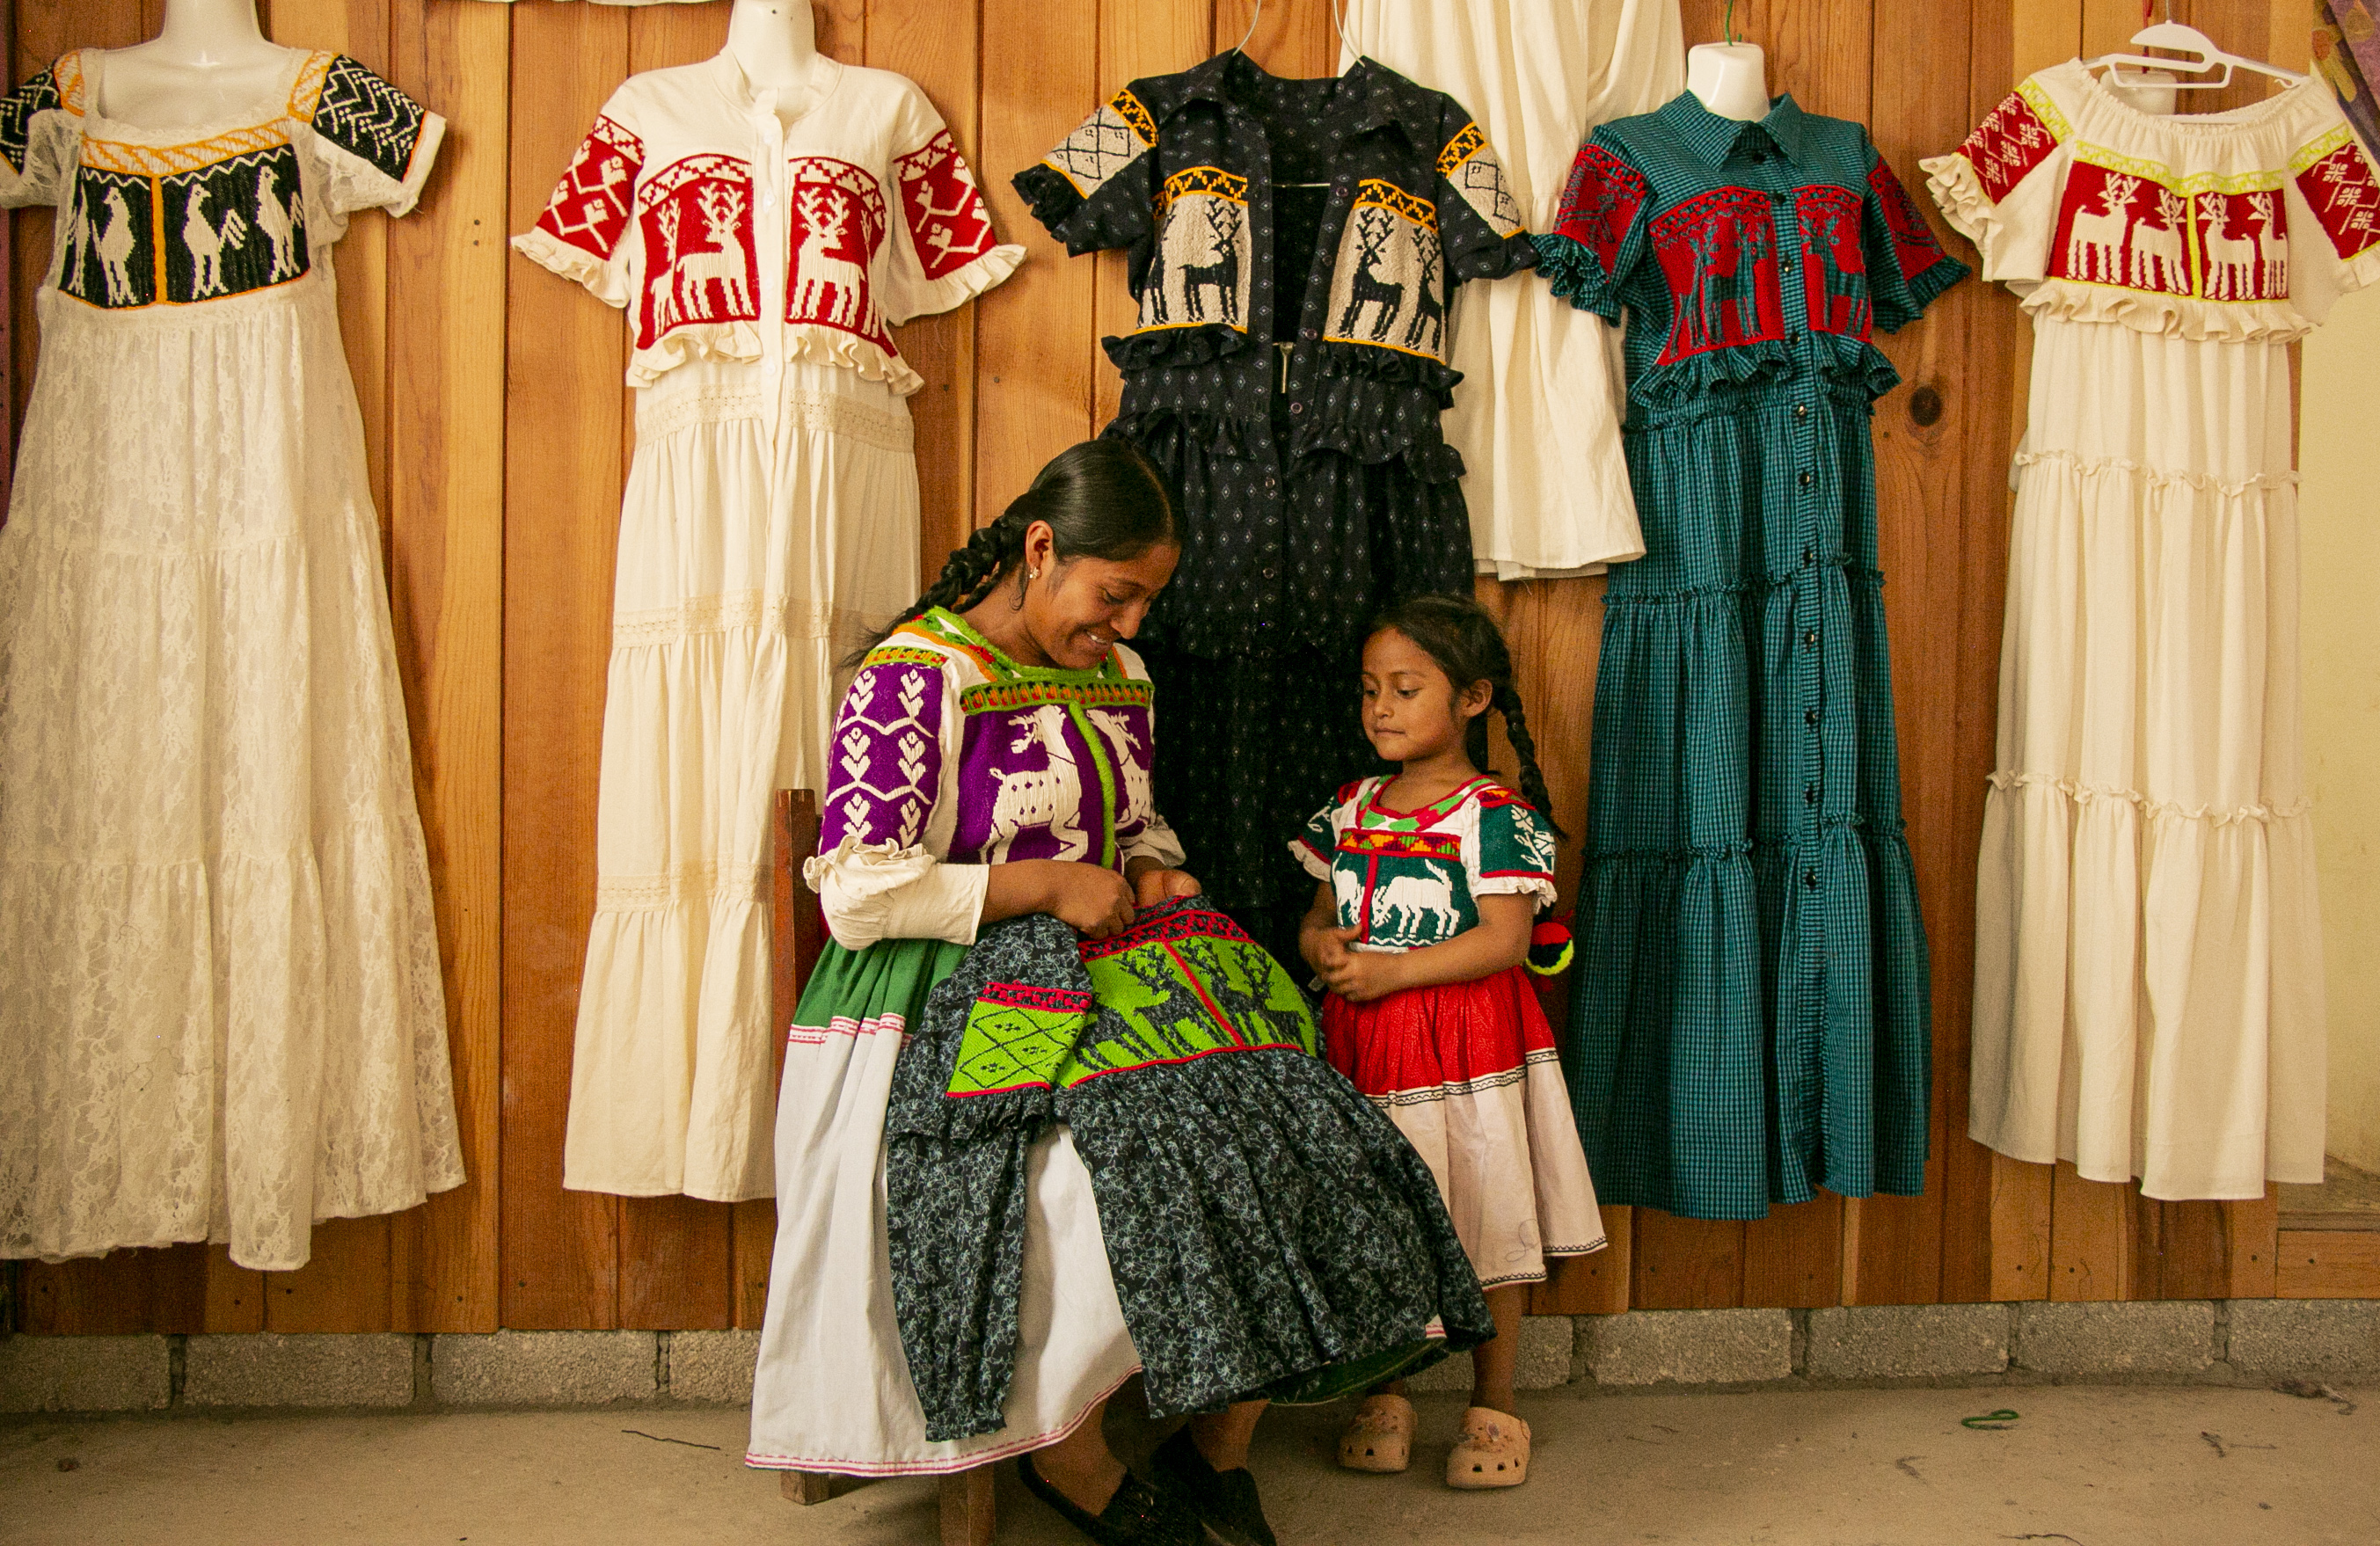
2148	971
221	1015
770	520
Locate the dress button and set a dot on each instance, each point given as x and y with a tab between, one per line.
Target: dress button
1809	878
1298	407
1805	480
1810	639
1808	557
1809	794
1271	484
1810	718
1312	333
1801	410
1785	265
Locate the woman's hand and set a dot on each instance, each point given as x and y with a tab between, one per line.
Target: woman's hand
1360	977
1154	884
1092	899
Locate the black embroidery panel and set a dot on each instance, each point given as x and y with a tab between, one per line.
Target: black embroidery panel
234	226
37	95
111	248
364	115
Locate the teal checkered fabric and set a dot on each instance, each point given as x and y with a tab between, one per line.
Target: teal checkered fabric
1750	1017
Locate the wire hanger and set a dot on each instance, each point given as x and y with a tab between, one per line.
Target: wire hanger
2181	37
1337	30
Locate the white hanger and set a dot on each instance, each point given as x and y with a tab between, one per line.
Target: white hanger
2172	74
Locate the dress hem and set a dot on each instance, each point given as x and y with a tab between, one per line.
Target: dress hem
755	1460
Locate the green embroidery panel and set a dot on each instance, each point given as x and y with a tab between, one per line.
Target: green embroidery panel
1009	1047
1232	997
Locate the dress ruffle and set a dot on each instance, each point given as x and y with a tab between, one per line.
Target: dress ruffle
1705	378
543	249
1053	200
1176	349
1577	276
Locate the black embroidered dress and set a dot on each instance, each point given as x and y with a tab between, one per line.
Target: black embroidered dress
1298	416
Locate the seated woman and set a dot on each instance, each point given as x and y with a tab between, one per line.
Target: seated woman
992	761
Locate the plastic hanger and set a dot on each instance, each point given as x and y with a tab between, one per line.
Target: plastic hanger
2174	73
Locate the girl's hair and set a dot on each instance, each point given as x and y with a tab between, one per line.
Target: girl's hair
1102	499
1457	633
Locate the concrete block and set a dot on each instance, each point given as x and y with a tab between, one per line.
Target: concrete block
2149	1336
267	1368
2306	1336
84	1373
544	1369
1690	1346
1908	1341
1543	1364
713	1366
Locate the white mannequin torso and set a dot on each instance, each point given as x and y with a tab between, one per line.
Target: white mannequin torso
775	43
1731	79
208	64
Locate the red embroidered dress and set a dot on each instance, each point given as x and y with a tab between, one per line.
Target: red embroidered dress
770	518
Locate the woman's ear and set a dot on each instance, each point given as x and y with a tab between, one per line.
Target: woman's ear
1041	543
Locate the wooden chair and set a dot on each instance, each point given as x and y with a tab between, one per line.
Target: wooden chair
797	931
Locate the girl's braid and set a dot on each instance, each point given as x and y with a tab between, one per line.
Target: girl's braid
1507	702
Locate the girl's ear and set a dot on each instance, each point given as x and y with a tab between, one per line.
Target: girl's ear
1474	700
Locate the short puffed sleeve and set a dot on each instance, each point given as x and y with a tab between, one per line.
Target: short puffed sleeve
2333	220
37	123
377	143
1316	847
1516	850
1906	266
1098	189
1999	187
586	234
944	250
1600	231
1479	222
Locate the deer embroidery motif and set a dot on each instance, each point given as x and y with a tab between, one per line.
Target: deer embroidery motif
2230	260
2157	251
2095	240
1429	305
820	268
2272	245
1373	229
722	207
1223	268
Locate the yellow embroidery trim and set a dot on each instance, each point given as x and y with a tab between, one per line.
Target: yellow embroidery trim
1212	181
166	161
2046	111
1460	148
66	75
2163	176
1374	194
1136	116
2319	150
305	94
1380	343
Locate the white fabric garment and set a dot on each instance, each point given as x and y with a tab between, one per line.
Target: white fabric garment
2148	975
1538	414
219	982
770	519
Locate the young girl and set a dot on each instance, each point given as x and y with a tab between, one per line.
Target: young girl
1431	878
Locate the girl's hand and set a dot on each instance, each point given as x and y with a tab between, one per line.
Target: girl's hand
1153	886
1360	977
1324	946
1095	901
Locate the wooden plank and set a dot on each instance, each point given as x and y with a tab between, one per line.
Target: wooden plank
1035	333
2253	1235
1819	51
119	1293
966	1508
446	269
2020	1224
1795	1258
2094	1246
2328	1265
1142	37
1292	37
1554	630
2193	1249
234	1295
1595	1285
342	1287
1686	1263
935	46
562	510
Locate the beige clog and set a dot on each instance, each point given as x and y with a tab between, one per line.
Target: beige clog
1380	1439
1493	1451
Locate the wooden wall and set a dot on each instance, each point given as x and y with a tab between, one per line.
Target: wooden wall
500	436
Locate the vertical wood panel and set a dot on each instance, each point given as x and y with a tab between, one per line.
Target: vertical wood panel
1597	1285
2252	1238
1687	1264
1137	38
2018	1239
2094	1245
562	504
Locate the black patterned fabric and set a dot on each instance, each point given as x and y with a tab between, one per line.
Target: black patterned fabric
366	116
16	110
1288	372
1269	1231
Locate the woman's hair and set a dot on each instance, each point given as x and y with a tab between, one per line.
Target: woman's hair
1102	499
1457	633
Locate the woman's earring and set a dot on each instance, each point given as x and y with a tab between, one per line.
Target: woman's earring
1033	574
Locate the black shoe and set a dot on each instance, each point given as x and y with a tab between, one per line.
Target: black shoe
1226	1499
1138	1515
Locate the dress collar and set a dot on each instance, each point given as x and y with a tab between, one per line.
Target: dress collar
1378	95
1715	139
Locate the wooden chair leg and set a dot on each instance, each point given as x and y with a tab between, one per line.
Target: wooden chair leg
804	1487
967	1508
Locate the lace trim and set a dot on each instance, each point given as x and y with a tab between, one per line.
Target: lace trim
2084	794
725	614
832	413
694	883
2157	476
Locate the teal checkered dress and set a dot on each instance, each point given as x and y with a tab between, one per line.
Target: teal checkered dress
1751	1020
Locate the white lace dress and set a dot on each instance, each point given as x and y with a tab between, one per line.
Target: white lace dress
770	521
220	1008
2148	953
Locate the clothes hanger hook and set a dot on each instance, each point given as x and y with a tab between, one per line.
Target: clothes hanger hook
1254	17
1727	26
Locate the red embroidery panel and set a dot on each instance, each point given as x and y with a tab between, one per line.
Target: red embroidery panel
938	199
1834	265
2006	145
2116	228
1914	247
1599	202
838	228
695	216
2345	198
1718	253
2243	246
589	207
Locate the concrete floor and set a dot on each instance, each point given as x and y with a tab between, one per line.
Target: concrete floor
2091	1465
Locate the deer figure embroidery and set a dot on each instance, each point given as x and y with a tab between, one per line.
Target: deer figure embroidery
2095	240
1223	268
722	206
1347	888
661	292
115	250
279	224
1422	900
1755	241
1429	306
1844	269
1373	229
206	242
825	218
2230	260
2156	250
1052	798
1139	793
2272	245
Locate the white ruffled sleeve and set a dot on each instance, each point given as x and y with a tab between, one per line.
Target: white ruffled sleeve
877	874
1999	187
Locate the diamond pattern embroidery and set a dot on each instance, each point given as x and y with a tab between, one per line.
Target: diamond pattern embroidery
1107	142
1010	1042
